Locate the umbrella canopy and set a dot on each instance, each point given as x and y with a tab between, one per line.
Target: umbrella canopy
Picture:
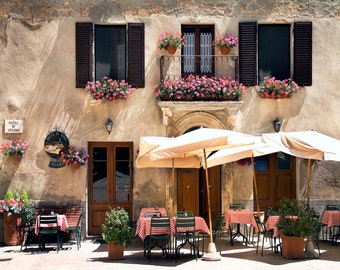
193	143
149	143
305	144
228	155
198	142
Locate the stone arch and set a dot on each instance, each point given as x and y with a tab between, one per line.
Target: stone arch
195	119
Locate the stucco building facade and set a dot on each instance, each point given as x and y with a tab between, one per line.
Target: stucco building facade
38	85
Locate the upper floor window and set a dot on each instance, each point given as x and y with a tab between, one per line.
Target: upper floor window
266	50
118	53
197	49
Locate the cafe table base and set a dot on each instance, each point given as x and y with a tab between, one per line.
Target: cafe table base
238	232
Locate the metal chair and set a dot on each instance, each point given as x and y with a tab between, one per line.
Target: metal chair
160	235
77	231
261	230
27	225
48	225
185	234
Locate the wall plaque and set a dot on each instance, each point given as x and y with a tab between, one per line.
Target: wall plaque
55	142
14	126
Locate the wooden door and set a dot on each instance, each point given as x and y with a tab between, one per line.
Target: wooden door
192	191
109	180
275	178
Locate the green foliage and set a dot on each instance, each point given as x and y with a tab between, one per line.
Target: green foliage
304	225
117	226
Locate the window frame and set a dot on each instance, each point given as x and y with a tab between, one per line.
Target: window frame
135	62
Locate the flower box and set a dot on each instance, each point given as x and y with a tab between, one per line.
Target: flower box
200	88
276	89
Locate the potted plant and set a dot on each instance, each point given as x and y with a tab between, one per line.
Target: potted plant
116	231
74	157
296	223
225	42
15	149
170	41
17	208
270	87
109	89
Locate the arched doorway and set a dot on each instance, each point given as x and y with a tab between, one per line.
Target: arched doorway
191	183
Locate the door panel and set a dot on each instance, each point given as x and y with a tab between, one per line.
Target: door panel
275	178
192	192
109	180
187	197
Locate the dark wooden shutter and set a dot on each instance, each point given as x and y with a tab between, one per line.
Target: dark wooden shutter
84	41
247	53
136	55
303	53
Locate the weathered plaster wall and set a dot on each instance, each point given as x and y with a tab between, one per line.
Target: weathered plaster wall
37	84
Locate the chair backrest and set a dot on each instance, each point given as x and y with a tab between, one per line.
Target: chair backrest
236	206
219	223
160	225
184	214
331	207
184	224
260	225
48	221
152	214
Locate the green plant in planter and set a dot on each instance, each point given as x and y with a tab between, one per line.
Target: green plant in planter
117	226
302	226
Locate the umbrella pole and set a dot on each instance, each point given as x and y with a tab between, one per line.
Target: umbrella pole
255	187
212	254
308	183
173	186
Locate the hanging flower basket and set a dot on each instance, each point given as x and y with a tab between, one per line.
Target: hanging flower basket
171	49
170	41
74	157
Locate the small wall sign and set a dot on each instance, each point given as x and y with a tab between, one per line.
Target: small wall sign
54	143
14	126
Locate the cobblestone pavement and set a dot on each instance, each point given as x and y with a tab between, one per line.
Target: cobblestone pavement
93	255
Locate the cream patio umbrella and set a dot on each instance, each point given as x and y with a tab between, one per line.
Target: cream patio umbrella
148	143
200	142
308	145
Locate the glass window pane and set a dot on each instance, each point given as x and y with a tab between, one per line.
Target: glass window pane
110	52
261	163
99	174
283	161
123	174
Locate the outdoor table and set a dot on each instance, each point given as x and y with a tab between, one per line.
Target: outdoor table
239	216
331	219
62	224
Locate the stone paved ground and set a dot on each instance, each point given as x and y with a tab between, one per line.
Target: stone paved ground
93	255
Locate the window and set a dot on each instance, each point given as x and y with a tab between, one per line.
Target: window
198	42
118	53
266	50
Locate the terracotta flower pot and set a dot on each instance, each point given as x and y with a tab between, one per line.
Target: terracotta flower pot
225	50
293	247
12	232
75	166
171	49
115	252
17	157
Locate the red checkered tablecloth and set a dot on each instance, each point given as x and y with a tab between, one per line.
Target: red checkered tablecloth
243	216
331	218
143	226
62	223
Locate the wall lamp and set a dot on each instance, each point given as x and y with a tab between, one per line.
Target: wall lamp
277	125
109	125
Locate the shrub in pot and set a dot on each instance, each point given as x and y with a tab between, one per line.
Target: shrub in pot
116	231
296	223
